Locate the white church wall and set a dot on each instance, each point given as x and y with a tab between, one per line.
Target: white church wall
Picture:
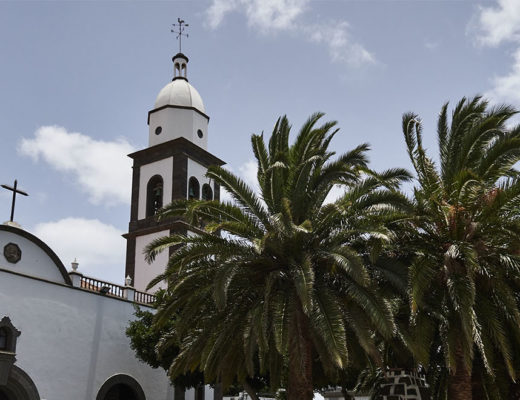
164	169
198	171
200	122
34	261
72	341
176	123
189	394
145	272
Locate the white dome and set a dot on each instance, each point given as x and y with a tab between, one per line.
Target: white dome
180	93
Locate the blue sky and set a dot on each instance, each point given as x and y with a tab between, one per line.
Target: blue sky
78	78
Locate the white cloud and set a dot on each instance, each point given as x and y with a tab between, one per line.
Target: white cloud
342	48
248	172
264	15
267	15
100	168
274	16
507	87
496	25
499	24
218	10
98	247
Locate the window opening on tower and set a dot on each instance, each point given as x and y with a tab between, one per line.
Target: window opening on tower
154	195
193	189
207	193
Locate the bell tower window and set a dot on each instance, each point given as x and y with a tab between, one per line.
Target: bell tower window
180	67
207	193
193	189
154	195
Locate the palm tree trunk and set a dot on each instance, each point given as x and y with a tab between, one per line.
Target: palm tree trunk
345	393
250	391
514	391
459	383
300	360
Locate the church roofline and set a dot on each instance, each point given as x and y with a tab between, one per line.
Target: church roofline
173	106
52	255
72	287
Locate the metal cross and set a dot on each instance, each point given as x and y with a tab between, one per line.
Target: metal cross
180	25
14	190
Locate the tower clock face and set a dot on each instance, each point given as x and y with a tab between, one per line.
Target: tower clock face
200	134
158	130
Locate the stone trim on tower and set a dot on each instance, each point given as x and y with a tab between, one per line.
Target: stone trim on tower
175	106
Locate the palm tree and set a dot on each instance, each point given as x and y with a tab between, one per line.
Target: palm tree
284	285
465	235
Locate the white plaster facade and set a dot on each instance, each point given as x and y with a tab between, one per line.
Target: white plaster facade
199	171
178	110
145	272
163	168
35	262
72	340
178	122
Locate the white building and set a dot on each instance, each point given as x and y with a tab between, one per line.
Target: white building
61	341
62	334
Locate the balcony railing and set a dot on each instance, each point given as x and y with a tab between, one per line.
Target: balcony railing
95	285
144	298
113	290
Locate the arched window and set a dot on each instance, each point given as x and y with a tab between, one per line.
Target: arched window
193	189
121	392
19	385
121	387
207	193
154	195
4	338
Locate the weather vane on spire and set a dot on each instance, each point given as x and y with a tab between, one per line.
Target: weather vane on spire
179	30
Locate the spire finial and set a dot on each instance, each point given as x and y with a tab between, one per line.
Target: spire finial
179	30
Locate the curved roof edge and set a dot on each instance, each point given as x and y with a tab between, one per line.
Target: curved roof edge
52	255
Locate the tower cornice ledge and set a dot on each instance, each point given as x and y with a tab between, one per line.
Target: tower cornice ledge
176	106
172	148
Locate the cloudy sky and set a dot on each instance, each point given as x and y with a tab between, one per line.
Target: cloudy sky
78	78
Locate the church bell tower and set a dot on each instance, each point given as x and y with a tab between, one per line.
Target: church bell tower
172	167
